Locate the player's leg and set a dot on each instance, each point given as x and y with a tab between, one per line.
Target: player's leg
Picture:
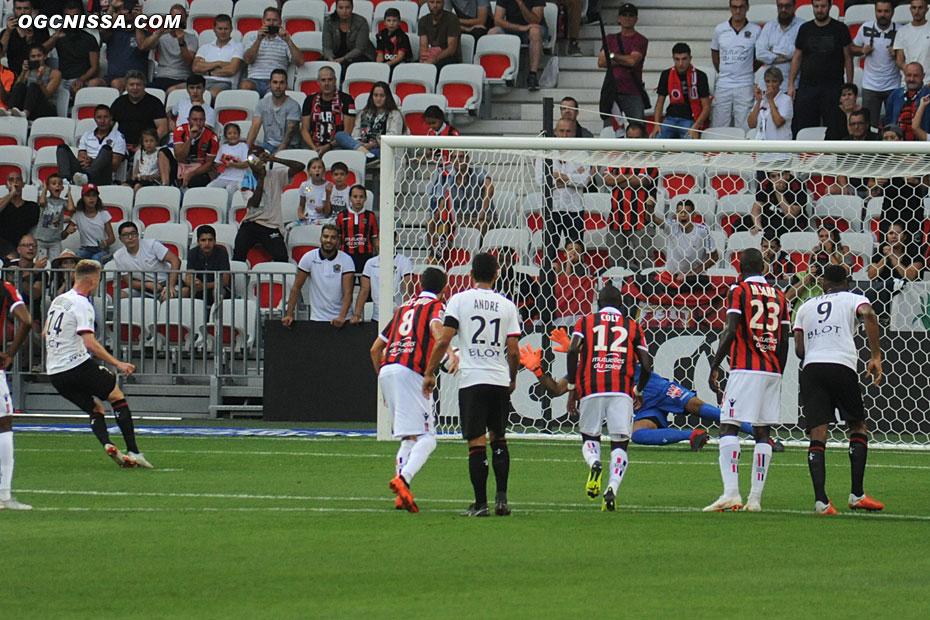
728	459
403	453
124	420
818	409
849	402
761	459
619	417
696	406
816	464
648	432
660	398
473	420
499	410
590	422
412	422
7	501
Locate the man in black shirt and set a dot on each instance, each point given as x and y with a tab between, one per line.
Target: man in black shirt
822	54
15	42
208	258
17	216
78	54
137	110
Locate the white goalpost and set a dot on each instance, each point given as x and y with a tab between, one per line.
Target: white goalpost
444	199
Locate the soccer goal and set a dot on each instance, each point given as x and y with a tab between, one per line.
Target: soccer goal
665	221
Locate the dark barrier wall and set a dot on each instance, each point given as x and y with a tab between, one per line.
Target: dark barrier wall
317	373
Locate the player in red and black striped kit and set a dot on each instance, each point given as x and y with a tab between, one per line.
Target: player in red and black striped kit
756	338
359	229
400	355
602	358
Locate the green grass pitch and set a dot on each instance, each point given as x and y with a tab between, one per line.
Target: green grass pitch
279	528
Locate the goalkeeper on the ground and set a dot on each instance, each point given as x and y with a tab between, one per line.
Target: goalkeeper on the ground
660	398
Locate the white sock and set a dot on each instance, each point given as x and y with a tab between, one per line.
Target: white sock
729	464
402	454
761	457
422	448
591	451
618	464
6	465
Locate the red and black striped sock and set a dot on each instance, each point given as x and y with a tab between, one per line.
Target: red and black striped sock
858	453
478	471
817	466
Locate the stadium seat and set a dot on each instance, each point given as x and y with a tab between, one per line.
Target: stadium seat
239	272
762	14
174	236
739	241
301	16
723	133
244	128
46	163
133	319
365	8
517	239
202	13
14	131
238	322
51	131
176	96
806	12
551	16
873	217
16	158
413	107
225	236
158	93
597	208
902	14
305	78
361	76
303	156
720	244
840	212
408	16
233	106
309	43
814	134
354	160
270	284
798	245
721	183
462	85
237	209
180	324
290	205
118	200
303	239
499	54
204	205
468	48
89	97
732	209
297	96
674	182
160	7
861	244
247	15
413	78
156	205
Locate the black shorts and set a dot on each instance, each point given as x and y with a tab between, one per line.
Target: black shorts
483	408
83	382
826	388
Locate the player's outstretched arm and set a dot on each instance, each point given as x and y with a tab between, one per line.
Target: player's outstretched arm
872	331
560	337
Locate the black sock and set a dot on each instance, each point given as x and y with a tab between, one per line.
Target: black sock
858	452
500	461
124	420
478	471
99	425
818	468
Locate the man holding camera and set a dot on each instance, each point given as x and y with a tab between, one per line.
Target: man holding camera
272	49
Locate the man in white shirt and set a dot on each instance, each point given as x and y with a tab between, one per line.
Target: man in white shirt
824	329
733	51
332	280
178	114
69	345
912	42
100	152
570	180
875	41
138	258
371	283
273	49
221	60
488	329
775	45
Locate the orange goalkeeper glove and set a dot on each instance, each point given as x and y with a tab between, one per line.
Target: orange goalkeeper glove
560	338
531	359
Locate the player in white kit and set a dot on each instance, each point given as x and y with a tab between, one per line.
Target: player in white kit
69	344
488	329
11	302
824	328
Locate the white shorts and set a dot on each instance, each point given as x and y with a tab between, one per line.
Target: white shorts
615	409
411	412
6	400
753	397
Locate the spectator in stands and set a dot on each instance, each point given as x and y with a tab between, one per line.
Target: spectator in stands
804	285
6	85
393	44
190	162
860	126
471	192
404	285
17	216
776	43
61	283
569	181
263	223
380	117
573	263
100	152
821	56
912	41
524	18
176	49
339	195
328	117
771	115
78	54
440	36
917	123
358	229
902	103
221	60
145	171
55	216
124	46
195	85
474	15
145	263
626	53
279	115
633	197
137	110
568	109
233	156
733	52
204	260
345	36
892	262
315	206
273	49
830	250
875	41
860	129
779	206
838	119
26	278
35	91
15	41
903	204
776	260
332	280
689	98
92	221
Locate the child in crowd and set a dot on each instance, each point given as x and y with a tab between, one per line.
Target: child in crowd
54	216
339	197
393	44
234	155
573	263
145	162
315	192
434	117
359	229
92	221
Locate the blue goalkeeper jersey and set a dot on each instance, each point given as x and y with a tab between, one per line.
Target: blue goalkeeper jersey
660	398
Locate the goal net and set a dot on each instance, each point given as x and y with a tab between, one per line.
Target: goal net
665	221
